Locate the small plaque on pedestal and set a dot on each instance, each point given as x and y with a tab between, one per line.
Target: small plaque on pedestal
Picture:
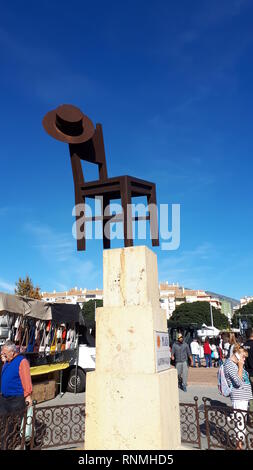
162	348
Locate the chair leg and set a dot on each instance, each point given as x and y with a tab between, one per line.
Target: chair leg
79	200
80	227
153	217
125	193
105	201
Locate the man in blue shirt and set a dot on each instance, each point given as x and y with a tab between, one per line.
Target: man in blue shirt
16	384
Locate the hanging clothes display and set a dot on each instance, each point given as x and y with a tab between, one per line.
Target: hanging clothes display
46	333
37	336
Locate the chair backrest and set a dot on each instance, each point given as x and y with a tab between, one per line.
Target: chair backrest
92	151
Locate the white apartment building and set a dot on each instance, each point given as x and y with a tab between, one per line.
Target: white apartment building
245	300
172	295
73	296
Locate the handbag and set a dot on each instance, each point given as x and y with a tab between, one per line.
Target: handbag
72	339
42	345
59	339
18	332
11	334
48	337
53	344
4	321
36	347
68	342
31	340
24	343
4	332
17	322
47	344
63	344
17	339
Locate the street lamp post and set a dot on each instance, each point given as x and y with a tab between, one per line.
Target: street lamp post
211	313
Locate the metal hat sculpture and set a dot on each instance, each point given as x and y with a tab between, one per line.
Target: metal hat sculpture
68	124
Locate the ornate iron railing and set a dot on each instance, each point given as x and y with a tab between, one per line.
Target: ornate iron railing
60	426
227	428
210	426
190	425
205	426
11	431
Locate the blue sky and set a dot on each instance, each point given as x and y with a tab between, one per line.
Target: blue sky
171	82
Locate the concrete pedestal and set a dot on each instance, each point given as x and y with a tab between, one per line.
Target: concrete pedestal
128	404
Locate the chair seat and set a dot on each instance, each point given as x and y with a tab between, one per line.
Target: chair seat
112	187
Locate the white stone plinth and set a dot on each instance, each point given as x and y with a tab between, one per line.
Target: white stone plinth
128	404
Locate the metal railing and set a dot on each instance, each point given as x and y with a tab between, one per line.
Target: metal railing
11	434
209	425
52	427
227	428
213	425
190	424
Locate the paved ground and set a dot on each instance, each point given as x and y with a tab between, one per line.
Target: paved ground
201	391
201	383
67	399
202	376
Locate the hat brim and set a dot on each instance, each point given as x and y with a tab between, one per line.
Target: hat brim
50	127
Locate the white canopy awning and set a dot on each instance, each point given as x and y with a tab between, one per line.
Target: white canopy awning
208	331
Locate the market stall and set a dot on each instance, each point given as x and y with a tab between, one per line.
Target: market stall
46	333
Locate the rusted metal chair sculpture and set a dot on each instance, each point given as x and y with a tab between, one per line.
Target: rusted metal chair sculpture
68	124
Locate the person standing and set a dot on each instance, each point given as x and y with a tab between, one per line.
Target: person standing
241	393
16	383
220	360
214	353
226	346
181	354
201	351
248	345
207	353
195	350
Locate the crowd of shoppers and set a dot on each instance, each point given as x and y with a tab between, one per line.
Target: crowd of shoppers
235	355
210	350
214	351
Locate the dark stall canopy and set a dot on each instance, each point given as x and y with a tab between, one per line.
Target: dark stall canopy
32	308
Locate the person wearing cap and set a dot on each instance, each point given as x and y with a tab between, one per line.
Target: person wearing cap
181	354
